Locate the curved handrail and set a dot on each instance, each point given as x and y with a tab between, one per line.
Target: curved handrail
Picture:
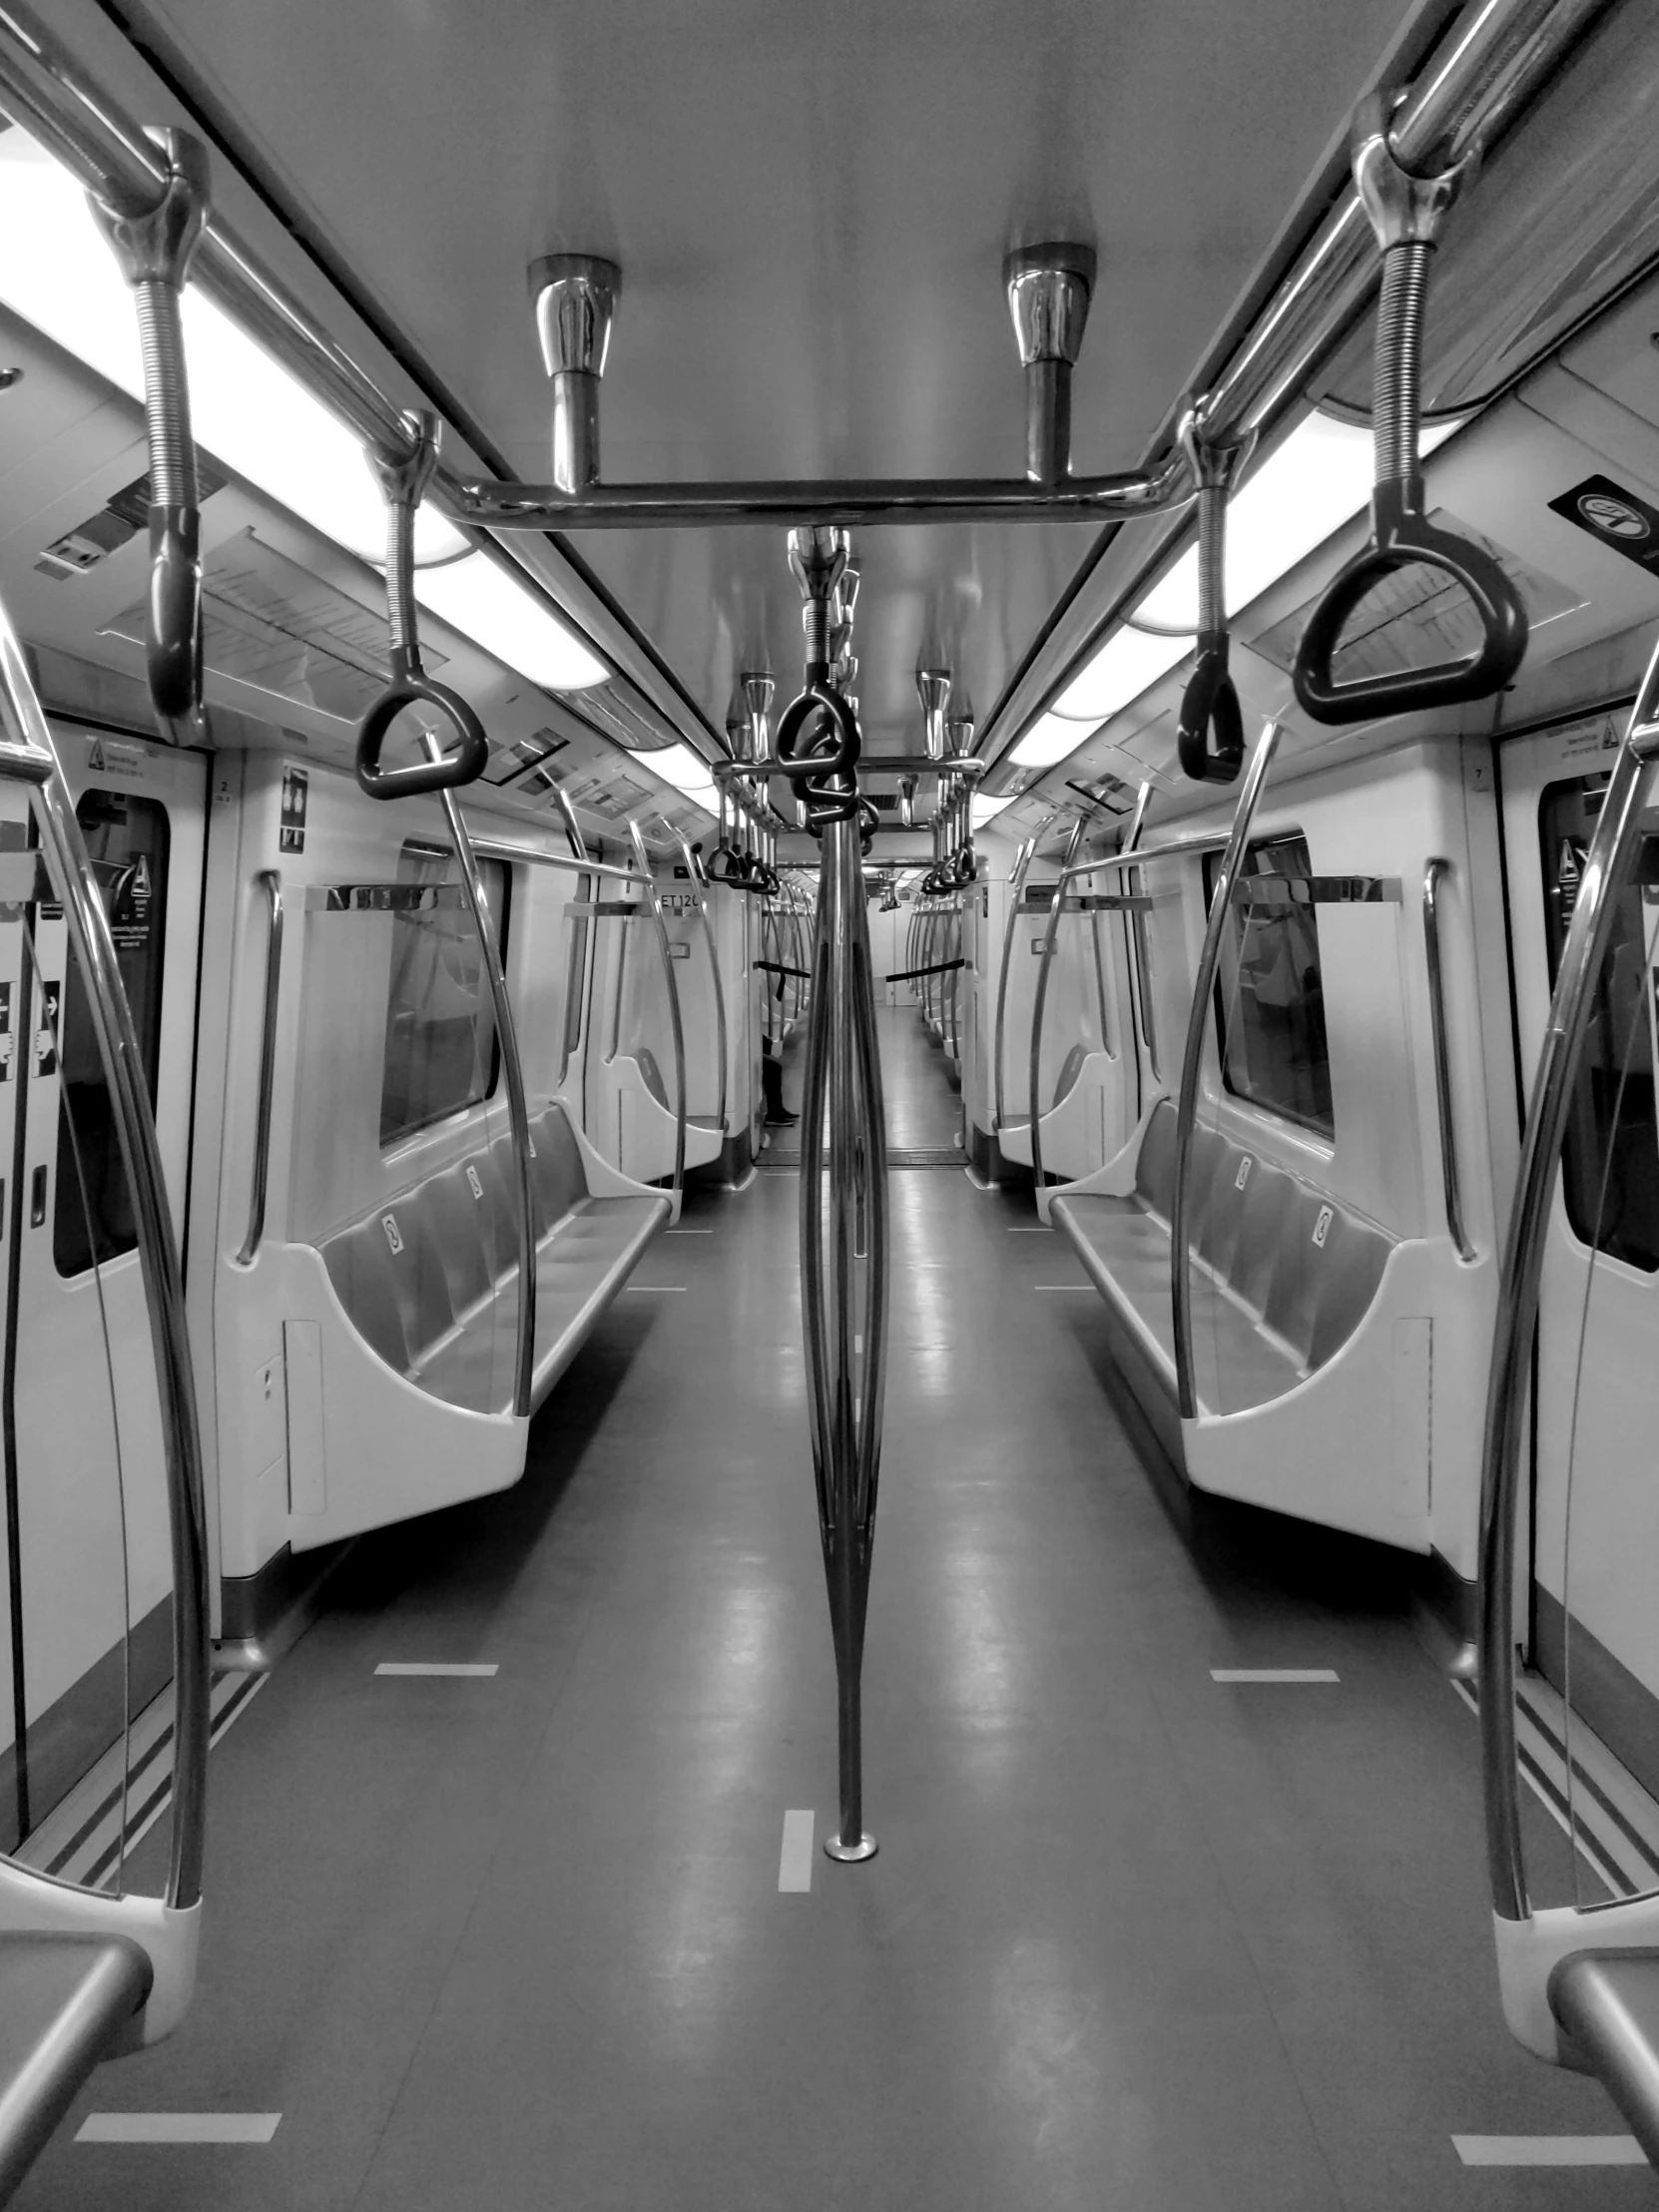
1023	856
26	753
1508	1384
1406	212
676	1026
720	987
512	1068
1039	1000
1433	875
270	881
1197	1021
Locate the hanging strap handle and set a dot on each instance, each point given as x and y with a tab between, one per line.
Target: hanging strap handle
403	479
1406	213
1210	731
155	248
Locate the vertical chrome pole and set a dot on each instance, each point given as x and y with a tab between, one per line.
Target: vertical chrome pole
512	1068
1509	1389
1197	1017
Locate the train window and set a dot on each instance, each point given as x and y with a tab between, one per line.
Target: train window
1622	1189
1144	989
441	1052
1270	996
127	839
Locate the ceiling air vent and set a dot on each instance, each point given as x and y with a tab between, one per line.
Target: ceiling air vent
122	515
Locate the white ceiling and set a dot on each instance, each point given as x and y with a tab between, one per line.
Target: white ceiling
810	204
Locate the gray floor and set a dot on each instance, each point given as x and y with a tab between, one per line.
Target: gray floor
923	1102
1133	1939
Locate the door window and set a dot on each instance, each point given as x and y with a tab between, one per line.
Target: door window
1611	1159
127	840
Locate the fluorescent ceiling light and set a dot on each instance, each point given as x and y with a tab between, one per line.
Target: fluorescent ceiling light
1310	486
986	808
478	597
1049	740
687	770
57	271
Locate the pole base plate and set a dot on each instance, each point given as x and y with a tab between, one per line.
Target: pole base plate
849	1855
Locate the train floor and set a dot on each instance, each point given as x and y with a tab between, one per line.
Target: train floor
518	1940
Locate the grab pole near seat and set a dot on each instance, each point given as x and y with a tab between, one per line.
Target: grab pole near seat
512	1069
701	882
642	860
1197	1021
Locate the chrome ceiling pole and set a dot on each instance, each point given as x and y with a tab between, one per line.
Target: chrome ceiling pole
843	1225
933	691
575	298
1048	289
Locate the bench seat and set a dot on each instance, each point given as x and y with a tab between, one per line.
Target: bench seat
429	1280
1282	1273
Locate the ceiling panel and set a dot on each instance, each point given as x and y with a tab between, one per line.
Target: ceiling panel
809	206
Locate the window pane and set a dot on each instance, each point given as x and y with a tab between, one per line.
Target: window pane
1622	1160
441	1051
127	839
1270	996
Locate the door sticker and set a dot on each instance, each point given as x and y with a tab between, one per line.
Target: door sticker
472	1178
297	785
46	1037
1622	519
5	1033
1243	1176
395	1235
1322	1225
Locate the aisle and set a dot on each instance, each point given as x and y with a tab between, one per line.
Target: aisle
1134	1938
923	1101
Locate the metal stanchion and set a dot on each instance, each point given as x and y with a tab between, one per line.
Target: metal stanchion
844	1173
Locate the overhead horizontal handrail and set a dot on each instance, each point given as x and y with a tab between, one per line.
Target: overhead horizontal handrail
1197	1021
530	855
1405	212
271	882
1433	876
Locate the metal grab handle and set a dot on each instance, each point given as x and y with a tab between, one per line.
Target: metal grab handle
676	1026
26	753
714	969
1433	875
271	882
1197	1021
1406	213
403	478
1509	1392
518	1110
155	245
1209	727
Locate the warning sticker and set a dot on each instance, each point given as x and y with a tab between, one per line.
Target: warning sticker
297	785
1622	519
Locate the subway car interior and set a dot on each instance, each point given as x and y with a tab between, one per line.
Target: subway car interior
759	760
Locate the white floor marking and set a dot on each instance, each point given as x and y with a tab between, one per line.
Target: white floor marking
687	1232
437	1666
1549	2151
1030	1229
658	1289
795	1861
1274	1674
178	2127
1062	1286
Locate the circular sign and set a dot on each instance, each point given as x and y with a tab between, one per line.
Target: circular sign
1613	516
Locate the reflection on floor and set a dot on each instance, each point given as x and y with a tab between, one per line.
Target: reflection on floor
1135	1938
918	1084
